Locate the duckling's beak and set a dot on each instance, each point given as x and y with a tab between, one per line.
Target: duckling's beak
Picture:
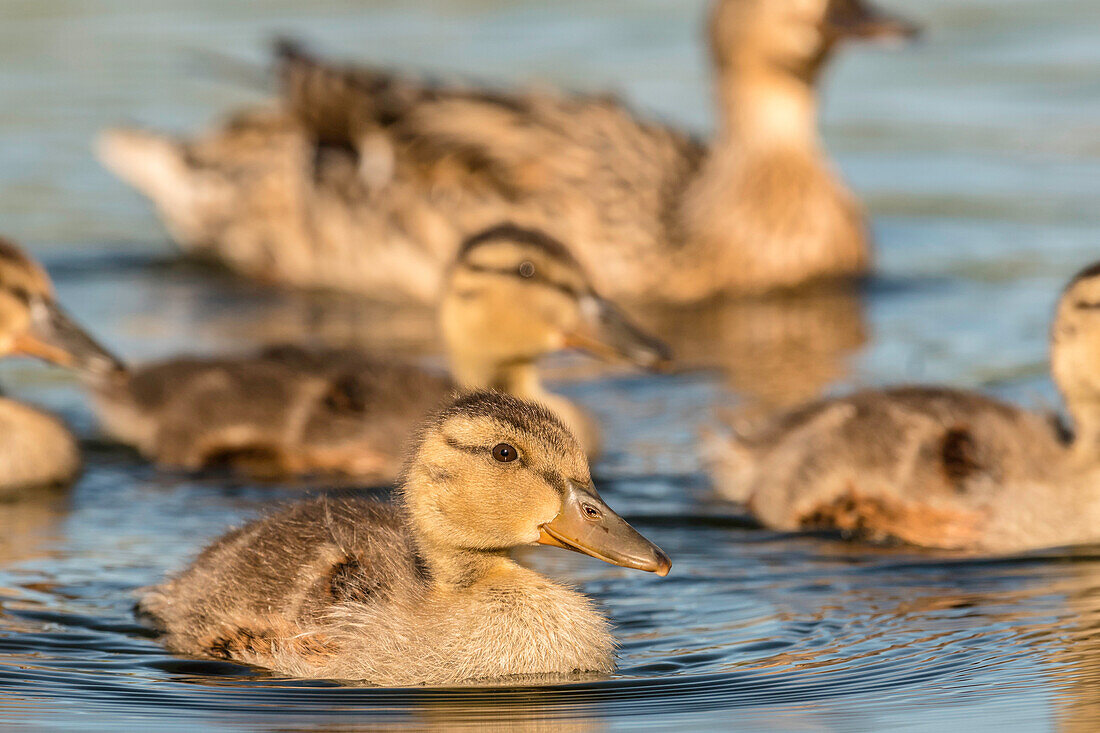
585	524
859	19
54	337
606	332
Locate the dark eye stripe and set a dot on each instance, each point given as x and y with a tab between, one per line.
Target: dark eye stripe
21	294
533	277
464	447
477	450
1086	305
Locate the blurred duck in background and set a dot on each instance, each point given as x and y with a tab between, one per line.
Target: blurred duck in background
367	180
933	466
512	296
36	449
422	591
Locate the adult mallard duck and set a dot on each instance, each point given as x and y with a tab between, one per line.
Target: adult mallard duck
511	296
934	466
36	449
367	180
424	591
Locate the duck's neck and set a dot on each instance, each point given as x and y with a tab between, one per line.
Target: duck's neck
444	565
496	618
451	569
518	377
762	110
521	379
1086	429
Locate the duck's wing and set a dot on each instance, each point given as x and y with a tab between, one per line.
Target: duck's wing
286	411
260	592
362	421
337	103
192	412
923	465
367	181
516	143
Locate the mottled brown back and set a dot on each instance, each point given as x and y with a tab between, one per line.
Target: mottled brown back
925	465
289	568
286	410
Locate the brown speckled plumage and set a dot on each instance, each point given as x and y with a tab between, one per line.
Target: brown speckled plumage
933	466
367	180
284	411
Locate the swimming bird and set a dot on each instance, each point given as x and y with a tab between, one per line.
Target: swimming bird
934	466
424	591
36	449
511	296
367	180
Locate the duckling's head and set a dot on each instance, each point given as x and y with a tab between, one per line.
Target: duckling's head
33	324
515	294
1075	339
492	472
794	36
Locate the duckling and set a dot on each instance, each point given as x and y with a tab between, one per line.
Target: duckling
366	180
423	592
512	296
933	466
35	448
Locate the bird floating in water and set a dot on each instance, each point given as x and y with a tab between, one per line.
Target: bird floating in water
367	180
934	466
36	449
422	591
512	296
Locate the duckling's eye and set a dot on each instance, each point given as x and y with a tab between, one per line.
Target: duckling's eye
591	512
1086	305
526	269
504	453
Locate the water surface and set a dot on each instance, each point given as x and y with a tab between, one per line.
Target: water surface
977	151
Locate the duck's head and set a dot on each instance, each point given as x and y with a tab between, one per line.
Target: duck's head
492	472
515	294
1075	339
33	324
795	36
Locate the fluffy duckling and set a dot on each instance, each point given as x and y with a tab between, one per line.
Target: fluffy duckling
423	592
35	448
512	296
933	466
367	180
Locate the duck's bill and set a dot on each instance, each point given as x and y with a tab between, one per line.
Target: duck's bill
587	525
606	332
859	19
54	337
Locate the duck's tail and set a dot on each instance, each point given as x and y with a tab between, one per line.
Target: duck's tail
730	462
153	163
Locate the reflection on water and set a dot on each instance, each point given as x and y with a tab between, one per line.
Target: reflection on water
30	522
778	351
978	154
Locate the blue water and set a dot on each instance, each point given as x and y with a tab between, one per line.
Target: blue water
978	153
